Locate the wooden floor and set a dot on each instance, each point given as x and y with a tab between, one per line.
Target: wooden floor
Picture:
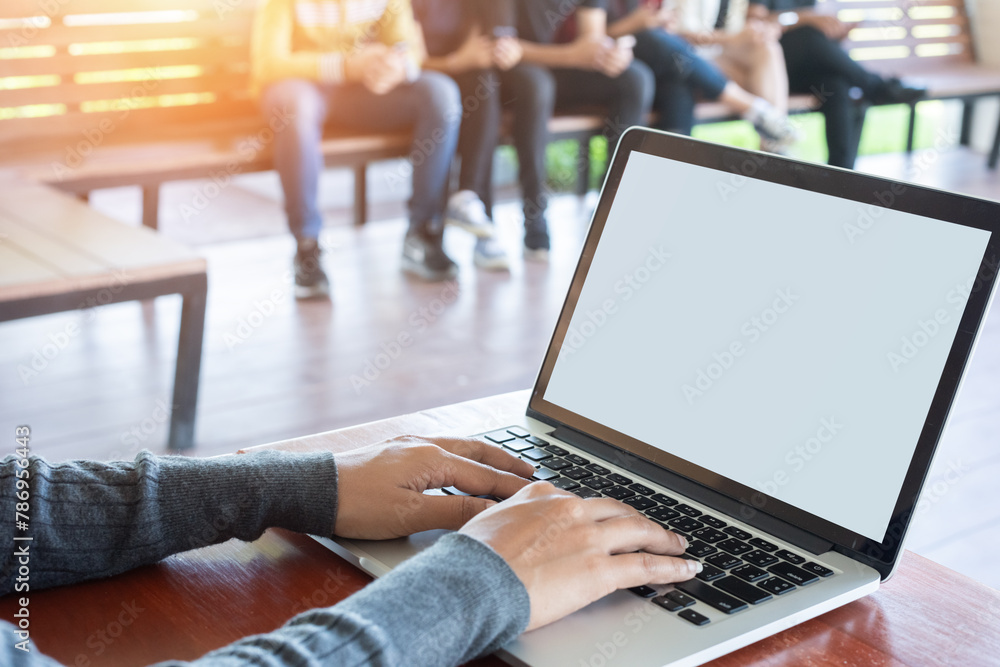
274	368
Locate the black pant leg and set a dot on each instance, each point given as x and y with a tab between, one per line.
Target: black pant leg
627	97
529	91
480	131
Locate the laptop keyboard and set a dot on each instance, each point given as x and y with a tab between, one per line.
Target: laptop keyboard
741	570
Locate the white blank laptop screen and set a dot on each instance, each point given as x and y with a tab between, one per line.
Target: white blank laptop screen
787	340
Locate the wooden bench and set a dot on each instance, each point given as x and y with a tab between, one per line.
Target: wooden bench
58	254
107	93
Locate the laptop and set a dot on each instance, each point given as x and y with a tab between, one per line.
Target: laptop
760	354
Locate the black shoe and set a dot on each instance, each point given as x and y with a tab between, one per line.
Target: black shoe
895	91
536	241
424	256
310	280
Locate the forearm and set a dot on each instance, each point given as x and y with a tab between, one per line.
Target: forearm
549	55
91	520
622	27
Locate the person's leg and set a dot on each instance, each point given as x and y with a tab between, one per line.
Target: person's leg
760	69
529	90
811	56
627	97
297	157
431	106
844	118
480	131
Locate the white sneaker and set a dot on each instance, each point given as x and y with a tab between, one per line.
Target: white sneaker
466	210
489	254
776	130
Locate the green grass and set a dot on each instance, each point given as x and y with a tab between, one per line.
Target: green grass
884	132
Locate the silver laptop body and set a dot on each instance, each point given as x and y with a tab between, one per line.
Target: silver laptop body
766	351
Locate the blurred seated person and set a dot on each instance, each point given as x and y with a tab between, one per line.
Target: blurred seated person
475	42
817	65
683	76
588	66
355	66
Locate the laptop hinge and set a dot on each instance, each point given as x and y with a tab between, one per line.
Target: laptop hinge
721	503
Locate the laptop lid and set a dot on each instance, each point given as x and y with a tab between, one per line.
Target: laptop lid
783	338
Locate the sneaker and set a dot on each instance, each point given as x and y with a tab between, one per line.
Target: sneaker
536	241
490	254
467	211
896	91
774	127
424	256
310	280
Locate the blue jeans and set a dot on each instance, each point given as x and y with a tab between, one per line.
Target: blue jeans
430	105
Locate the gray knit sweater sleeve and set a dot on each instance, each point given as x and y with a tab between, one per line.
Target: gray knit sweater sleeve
92	520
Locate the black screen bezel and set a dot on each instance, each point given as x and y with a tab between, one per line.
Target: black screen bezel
867	190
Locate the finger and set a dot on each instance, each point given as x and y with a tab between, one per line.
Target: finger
450	512
491	455
637	533
639	569
606	509
478	479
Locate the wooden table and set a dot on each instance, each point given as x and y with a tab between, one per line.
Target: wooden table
58	254
191	603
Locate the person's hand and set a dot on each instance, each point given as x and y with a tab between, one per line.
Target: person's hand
647	17
377	67
603	55
830	26
617	58
380	487
757	32
569	552
475	53
507	52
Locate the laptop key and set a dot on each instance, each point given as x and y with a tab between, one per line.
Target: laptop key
661	513
618	492
749	572
500	436
698	549
686	523
597	468
795	559
667	603
734	546
577	460
544	474
763	545
516	445
641	488
687	509
737	533
597	483
556	464
619	479
576	473
537	442
564	483
796	575
518	432
643	591
759	558
776	586
585	493
692	616
743	590
664	500
536	454
680	598
711	596
639	502
710	535
710	573
557	450
816	568
713	522
723	560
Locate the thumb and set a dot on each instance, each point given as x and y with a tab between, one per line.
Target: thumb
451	512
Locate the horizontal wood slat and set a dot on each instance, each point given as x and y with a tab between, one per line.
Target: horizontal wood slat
62	35
29	8
73	93
229	56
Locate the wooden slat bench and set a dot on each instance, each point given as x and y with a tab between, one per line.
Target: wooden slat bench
58	254
107	93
